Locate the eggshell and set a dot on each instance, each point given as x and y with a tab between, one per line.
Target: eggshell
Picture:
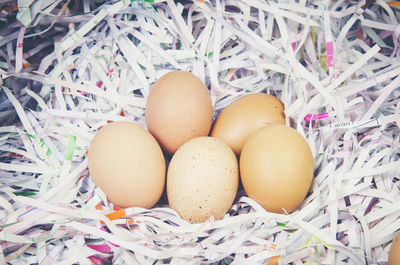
178	108
394	252
276	168
246	115
127	163
202	179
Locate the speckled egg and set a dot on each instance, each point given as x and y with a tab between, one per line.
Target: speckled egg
202	179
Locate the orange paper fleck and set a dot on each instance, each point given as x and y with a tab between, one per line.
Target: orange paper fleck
116	214
273	260
99	206
393	3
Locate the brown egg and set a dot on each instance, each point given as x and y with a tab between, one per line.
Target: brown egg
178	108
394	252
276	168
127	163
245	116
202	179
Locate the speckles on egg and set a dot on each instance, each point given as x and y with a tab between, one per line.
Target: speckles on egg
202	179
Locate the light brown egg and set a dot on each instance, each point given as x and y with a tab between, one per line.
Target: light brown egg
246	115
127	163
276	168
394	252
178	108
202	179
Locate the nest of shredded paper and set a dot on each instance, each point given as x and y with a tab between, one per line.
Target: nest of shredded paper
69	67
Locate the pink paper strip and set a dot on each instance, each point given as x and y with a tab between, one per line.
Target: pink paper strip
310	117
329	53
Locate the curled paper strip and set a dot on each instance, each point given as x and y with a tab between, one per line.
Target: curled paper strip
69	67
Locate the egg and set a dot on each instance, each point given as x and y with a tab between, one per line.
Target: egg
127	163
202	179
394	252
178	108
244	116
276	168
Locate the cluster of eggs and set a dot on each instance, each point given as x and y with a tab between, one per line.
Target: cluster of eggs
248	141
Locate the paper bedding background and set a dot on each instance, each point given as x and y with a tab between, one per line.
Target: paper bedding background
69	67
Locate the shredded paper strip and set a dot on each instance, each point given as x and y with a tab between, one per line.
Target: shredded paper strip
69	67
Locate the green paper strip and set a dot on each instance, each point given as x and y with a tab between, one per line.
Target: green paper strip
370	32
41	144
84	30
127	2
24	12
25	193
71	148
89	26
